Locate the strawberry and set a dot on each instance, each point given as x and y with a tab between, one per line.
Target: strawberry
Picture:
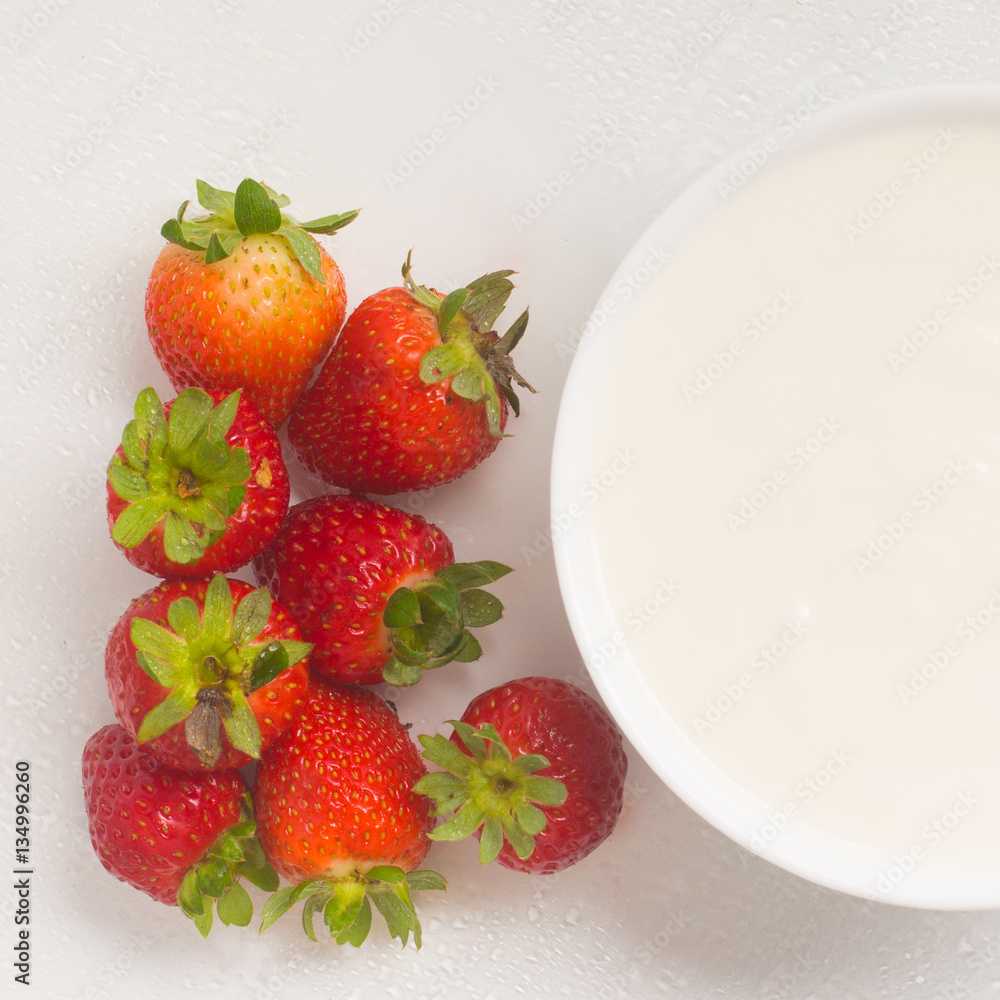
338	818
184	839
244	297
376	590
198	484
205	674
535	768
415	391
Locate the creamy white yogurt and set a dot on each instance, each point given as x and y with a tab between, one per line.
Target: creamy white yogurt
809	399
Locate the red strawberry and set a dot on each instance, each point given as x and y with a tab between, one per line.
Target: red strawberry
244	297
184	839
376	590
205	674
415	391
338	818
543	778
195	488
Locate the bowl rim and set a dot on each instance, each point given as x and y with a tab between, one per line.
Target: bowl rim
904	878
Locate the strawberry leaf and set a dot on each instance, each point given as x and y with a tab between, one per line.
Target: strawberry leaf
136	522
212	199
305	249
222	416
479	608
449	309
278	905
156	640
402	609
329	224
234	906
241	727
217	615
400	674
254	210
176	707
184	618
251	616
173	232
470	650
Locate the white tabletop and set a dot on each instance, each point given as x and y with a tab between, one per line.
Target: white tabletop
540	136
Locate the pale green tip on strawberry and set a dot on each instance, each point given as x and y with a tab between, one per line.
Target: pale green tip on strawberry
429	623
487	790
210	662
253	209
346	903
179	470
471	354
215	880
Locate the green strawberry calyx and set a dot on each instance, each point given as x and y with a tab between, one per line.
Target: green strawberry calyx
487	789
210	659
429	622
179	470
471	354
346	903
215	881
253	209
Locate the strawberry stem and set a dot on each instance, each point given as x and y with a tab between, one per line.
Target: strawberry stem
178	471
429	623
210	661
470	353
346	903
253	209
215	880
487	790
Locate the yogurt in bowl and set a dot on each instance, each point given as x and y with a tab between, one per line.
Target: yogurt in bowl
787	585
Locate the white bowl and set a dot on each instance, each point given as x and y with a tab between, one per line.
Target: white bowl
914	873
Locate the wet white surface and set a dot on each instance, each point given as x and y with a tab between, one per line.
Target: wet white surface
538	136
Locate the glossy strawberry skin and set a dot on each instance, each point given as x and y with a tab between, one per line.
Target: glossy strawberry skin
249	529
134	694
334	564
255	320
370	423
558	720
150	823
333	795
